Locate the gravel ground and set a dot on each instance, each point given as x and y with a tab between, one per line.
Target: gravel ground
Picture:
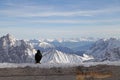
99	72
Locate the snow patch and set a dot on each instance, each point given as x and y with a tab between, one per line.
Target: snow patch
62	65
45	45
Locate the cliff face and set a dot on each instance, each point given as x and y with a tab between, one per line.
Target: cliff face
99	72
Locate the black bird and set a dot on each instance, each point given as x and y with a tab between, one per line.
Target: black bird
38	56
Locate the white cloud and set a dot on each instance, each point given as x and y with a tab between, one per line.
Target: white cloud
47	11
75	21
112	22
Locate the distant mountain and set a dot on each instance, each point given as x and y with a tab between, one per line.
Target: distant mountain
64	49
66	46
42	46
55	56
61	40
15	51
105	50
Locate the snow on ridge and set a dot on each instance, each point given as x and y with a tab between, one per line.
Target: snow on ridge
55	56
60	40
56	65
45	45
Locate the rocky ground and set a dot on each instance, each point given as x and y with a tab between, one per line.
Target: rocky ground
99	72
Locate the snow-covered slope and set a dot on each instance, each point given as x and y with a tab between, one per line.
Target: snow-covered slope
106	50
55	56
12	50
52	55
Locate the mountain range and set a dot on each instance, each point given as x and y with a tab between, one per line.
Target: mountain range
56	51
103	50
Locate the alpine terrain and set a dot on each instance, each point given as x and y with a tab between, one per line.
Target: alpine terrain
21	51
105	49
53	51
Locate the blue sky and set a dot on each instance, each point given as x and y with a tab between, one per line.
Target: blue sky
29	19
